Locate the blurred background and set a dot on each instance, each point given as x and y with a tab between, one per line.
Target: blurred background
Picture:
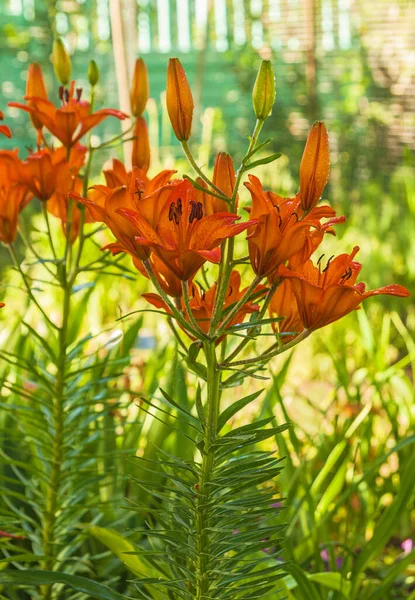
350	63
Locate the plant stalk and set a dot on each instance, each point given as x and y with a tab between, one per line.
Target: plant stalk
206	470
51	509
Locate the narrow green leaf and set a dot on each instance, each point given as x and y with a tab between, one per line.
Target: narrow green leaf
80	584
236	407
263	161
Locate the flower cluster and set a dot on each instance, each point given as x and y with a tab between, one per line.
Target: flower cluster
172	226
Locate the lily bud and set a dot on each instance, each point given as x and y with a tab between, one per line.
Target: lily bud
93	73
315	166
263	94
179	100
35	88
140	156
139	89
61	62
224	178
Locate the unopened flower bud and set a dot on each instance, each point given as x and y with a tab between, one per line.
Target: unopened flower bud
61	62
315	166
263	94
179	100
140	156
224	179
93	73
35	88
139	89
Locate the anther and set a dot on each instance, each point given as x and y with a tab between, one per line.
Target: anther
328	263
196	211
173	214
66	95
78	93
61	92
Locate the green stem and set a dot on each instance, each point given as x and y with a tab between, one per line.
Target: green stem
268	354
198	170
225	275
52	494
261	314
46	217
186	300
204	485
176	313
18	266
234	311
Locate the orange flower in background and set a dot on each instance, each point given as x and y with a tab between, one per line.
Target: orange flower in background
202	303
140	155
35	88
179	100
4	130
137	182
70	122
39	174
284	304
67	180
326	295
13	195
184	238
315	166
282	229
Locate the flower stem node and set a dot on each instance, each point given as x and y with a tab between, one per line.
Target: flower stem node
263	94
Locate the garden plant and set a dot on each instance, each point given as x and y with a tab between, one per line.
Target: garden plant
186	488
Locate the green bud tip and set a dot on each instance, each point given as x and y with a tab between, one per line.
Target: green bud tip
93	73
61	62
263	94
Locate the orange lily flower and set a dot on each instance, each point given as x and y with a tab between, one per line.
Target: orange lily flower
315	166
103	205
313	240
70	122
282	228
13	195
284	304
133	191
202	303
326	295
4	130
183	237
